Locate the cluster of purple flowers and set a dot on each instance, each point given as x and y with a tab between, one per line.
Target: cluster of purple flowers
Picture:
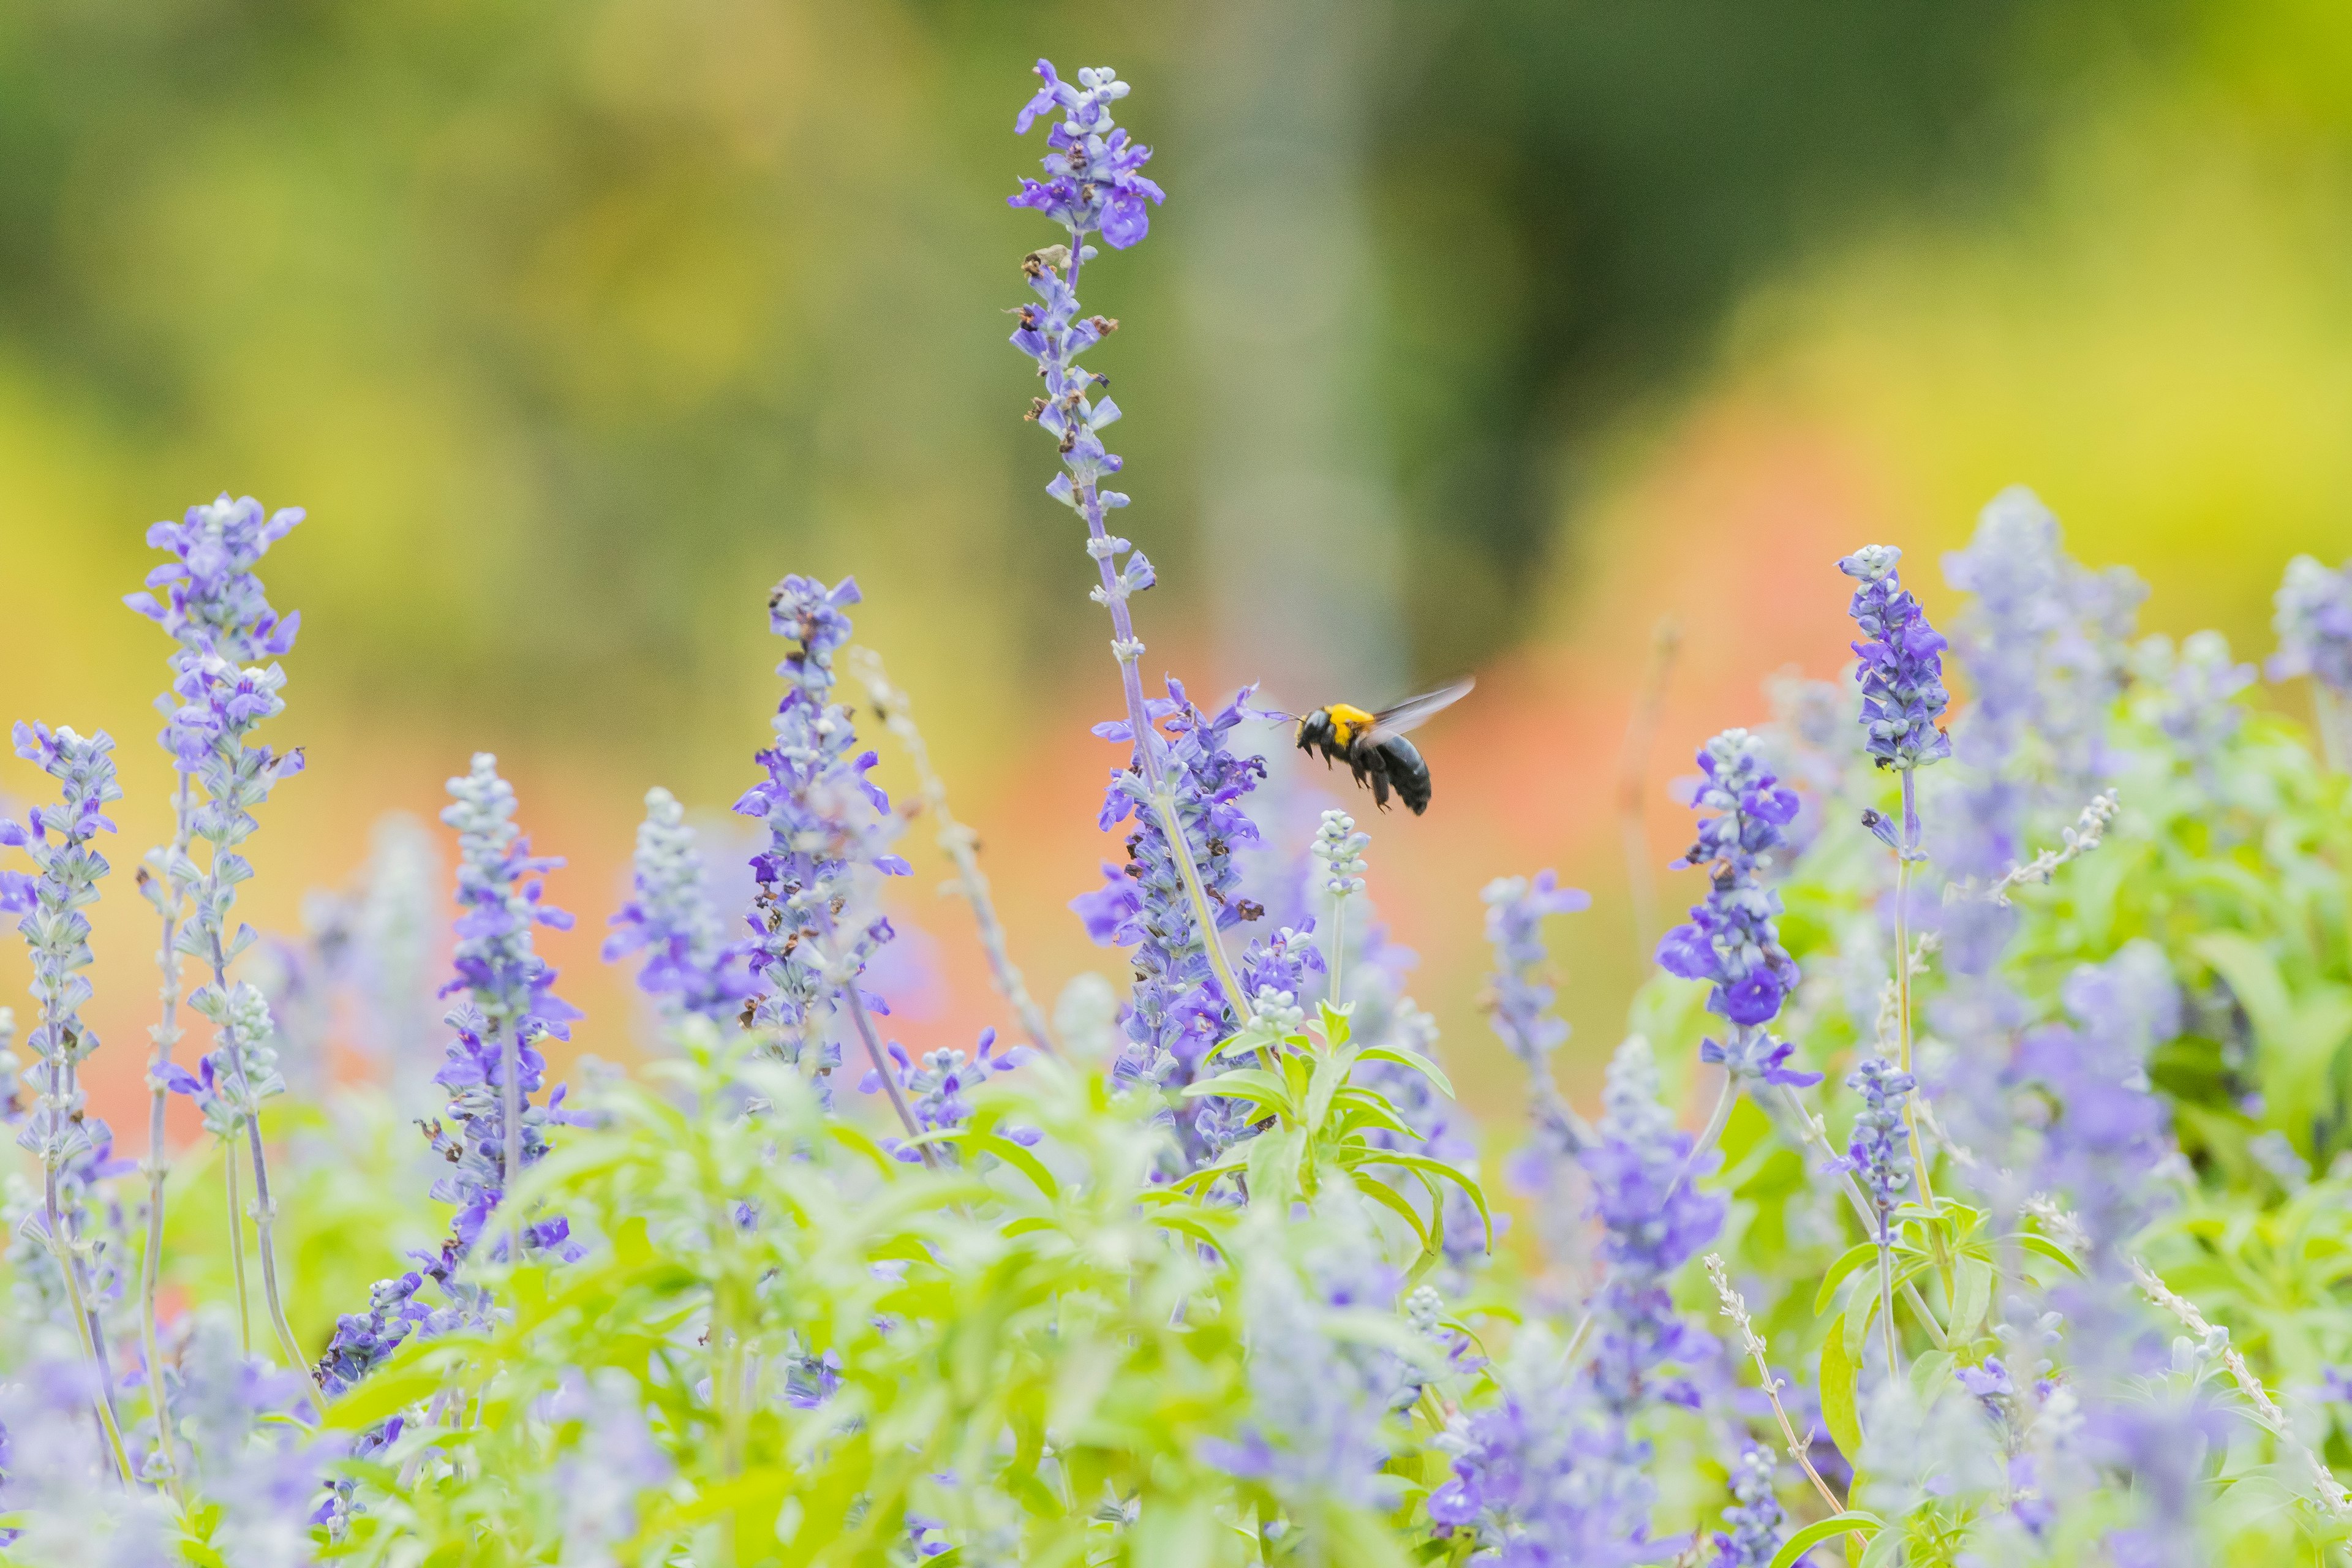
813	926
935	1086
2313	622
1754	1517
1178	1009
689	967
1879	1154
2045	641
1093	181
62	841
1732	940
1519	994
493	1130
1902	670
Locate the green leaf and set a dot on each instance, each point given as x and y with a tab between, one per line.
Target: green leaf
1330	1072
1255	1085
1413	1059
1853	1257
2043	1246
1388	1197
1854	1521
1839	1374
1973	1294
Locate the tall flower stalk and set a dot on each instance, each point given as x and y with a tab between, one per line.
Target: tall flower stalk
813	925
1732	940
2313	622
49	905
1340	849
1094	184
209	599
1903	697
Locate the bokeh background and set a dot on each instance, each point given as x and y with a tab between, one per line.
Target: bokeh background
1473	337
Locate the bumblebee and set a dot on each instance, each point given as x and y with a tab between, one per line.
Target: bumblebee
1373	744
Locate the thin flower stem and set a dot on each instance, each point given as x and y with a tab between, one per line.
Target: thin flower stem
1813	1136
265	1207
510	1125
1338	945
2332	1495
1129	652
959	843
1904	858
1163	804
236	1248
1716	1121
165	1034
1886	1300
61	1249
1733	1307
2333	725
866	1033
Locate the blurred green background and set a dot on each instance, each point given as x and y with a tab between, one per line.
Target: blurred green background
1472	337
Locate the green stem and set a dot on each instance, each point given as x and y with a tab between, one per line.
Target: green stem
1338	945
69	1266
165	1034
236	1249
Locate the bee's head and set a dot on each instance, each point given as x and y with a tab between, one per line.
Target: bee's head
1314	730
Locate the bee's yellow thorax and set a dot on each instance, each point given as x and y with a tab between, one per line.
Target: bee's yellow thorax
1347	720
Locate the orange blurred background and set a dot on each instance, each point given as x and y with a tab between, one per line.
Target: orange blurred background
1474	338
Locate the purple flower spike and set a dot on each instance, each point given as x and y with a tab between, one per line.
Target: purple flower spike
1902	671
690	968
1178	1011
1094	182
1732	940
812	923
2313	622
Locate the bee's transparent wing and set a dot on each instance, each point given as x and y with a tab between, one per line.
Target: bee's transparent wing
1414	711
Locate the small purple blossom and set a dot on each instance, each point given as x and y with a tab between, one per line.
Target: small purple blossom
1902	670
1754	1517
1732	940
689	967
935	1086
1879	1153
1177	1010
2313	623
60	840
1094	182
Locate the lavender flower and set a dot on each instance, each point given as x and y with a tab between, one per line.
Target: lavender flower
2044	641
1519	997
1179	1008
494	1065
1732	940
214	605
2313	623
2195	698
1319	1400
261	1470
72	1145
1092	183
2107	1136
812	929
689	966
1654	1221
935	1086
609	1461
69	1503
1755	1516
1879	1154
1541	1477
1902	671
492	1068
61	842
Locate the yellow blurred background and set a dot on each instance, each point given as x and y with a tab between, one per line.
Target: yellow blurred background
1476	336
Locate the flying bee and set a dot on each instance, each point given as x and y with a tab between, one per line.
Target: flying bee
1373	744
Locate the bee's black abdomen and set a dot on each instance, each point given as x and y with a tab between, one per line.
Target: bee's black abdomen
1406	771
